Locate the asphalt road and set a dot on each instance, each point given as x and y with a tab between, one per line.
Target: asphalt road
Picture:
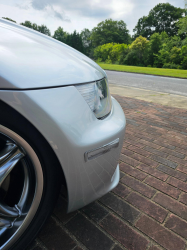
149	82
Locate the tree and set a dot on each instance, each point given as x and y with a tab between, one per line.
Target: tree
163	17
139	45
175	55
169	55
111	52
143	27
184	56
86	40
136	52
35	26
182	25
42	29
102	52
155	44
28	24
9	19
110	31
60	35
74	40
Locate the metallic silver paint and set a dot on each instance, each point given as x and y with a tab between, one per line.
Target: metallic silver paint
94	153
29	59
65	120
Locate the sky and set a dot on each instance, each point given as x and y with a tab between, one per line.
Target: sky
79	14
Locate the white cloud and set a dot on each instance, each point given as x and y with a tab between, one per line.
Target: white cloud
121	8
78	14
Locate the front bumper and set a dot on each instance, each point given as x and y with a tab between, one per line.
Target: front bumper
63	117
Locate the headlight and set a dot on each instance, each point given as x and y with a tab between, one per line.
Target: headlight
97	96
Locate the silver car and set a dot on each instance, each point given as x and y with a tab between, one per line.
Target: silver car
58	125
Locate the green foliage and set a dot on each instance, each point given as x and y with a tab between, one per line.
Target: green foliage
112	52
184	57
175	55
160	51
169	53
9	19
108	61
99	60
87	42
171	66
110	31
42	29
28	24
103	51
74	40
155	43
136	53
60	35
160	39
140	44
182	27
163	17
131	58
143	27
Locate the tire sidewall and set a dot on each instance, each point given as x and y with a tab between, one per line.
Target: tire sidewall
50	168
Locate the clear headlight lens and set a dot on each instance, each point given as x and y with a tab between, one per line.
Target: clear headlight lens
97	96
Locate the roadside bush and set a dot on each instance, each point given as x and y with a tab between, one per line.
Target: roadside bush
175	55
103	51
161	51
122	56
99	60
111	52
171	66
131	58
108	61
184	57
184	63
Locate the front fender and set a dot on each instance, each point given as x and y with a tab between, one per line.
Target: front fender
65	120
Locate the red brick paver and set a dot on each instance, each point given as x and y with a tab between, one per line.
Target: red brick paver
160	234
148	209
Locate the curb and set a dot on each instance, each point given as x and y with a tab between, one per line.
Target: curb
146	74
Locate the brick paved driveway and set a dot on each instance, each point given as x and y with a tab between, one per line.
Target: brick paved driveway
148	209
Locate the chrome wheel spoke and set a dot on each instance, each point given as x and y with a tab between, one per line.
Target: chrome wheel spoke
21	186
8	212
25	191
7	151
5	223
11	157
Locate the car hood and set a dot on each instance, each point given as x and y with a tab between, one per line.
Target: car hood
30	60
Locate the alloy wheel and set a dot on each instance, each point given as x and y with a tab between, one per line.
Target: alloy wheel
21	186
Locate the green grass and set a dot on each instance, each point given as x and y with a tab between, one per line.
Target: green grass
144	70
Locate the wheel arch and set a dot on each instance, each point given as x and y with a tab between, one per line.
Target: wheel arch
7	110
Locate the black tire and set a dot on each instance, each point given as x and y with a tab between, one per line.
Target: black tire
52	172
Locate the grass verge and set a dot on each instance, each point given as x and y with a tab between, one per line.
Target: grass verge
179	73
